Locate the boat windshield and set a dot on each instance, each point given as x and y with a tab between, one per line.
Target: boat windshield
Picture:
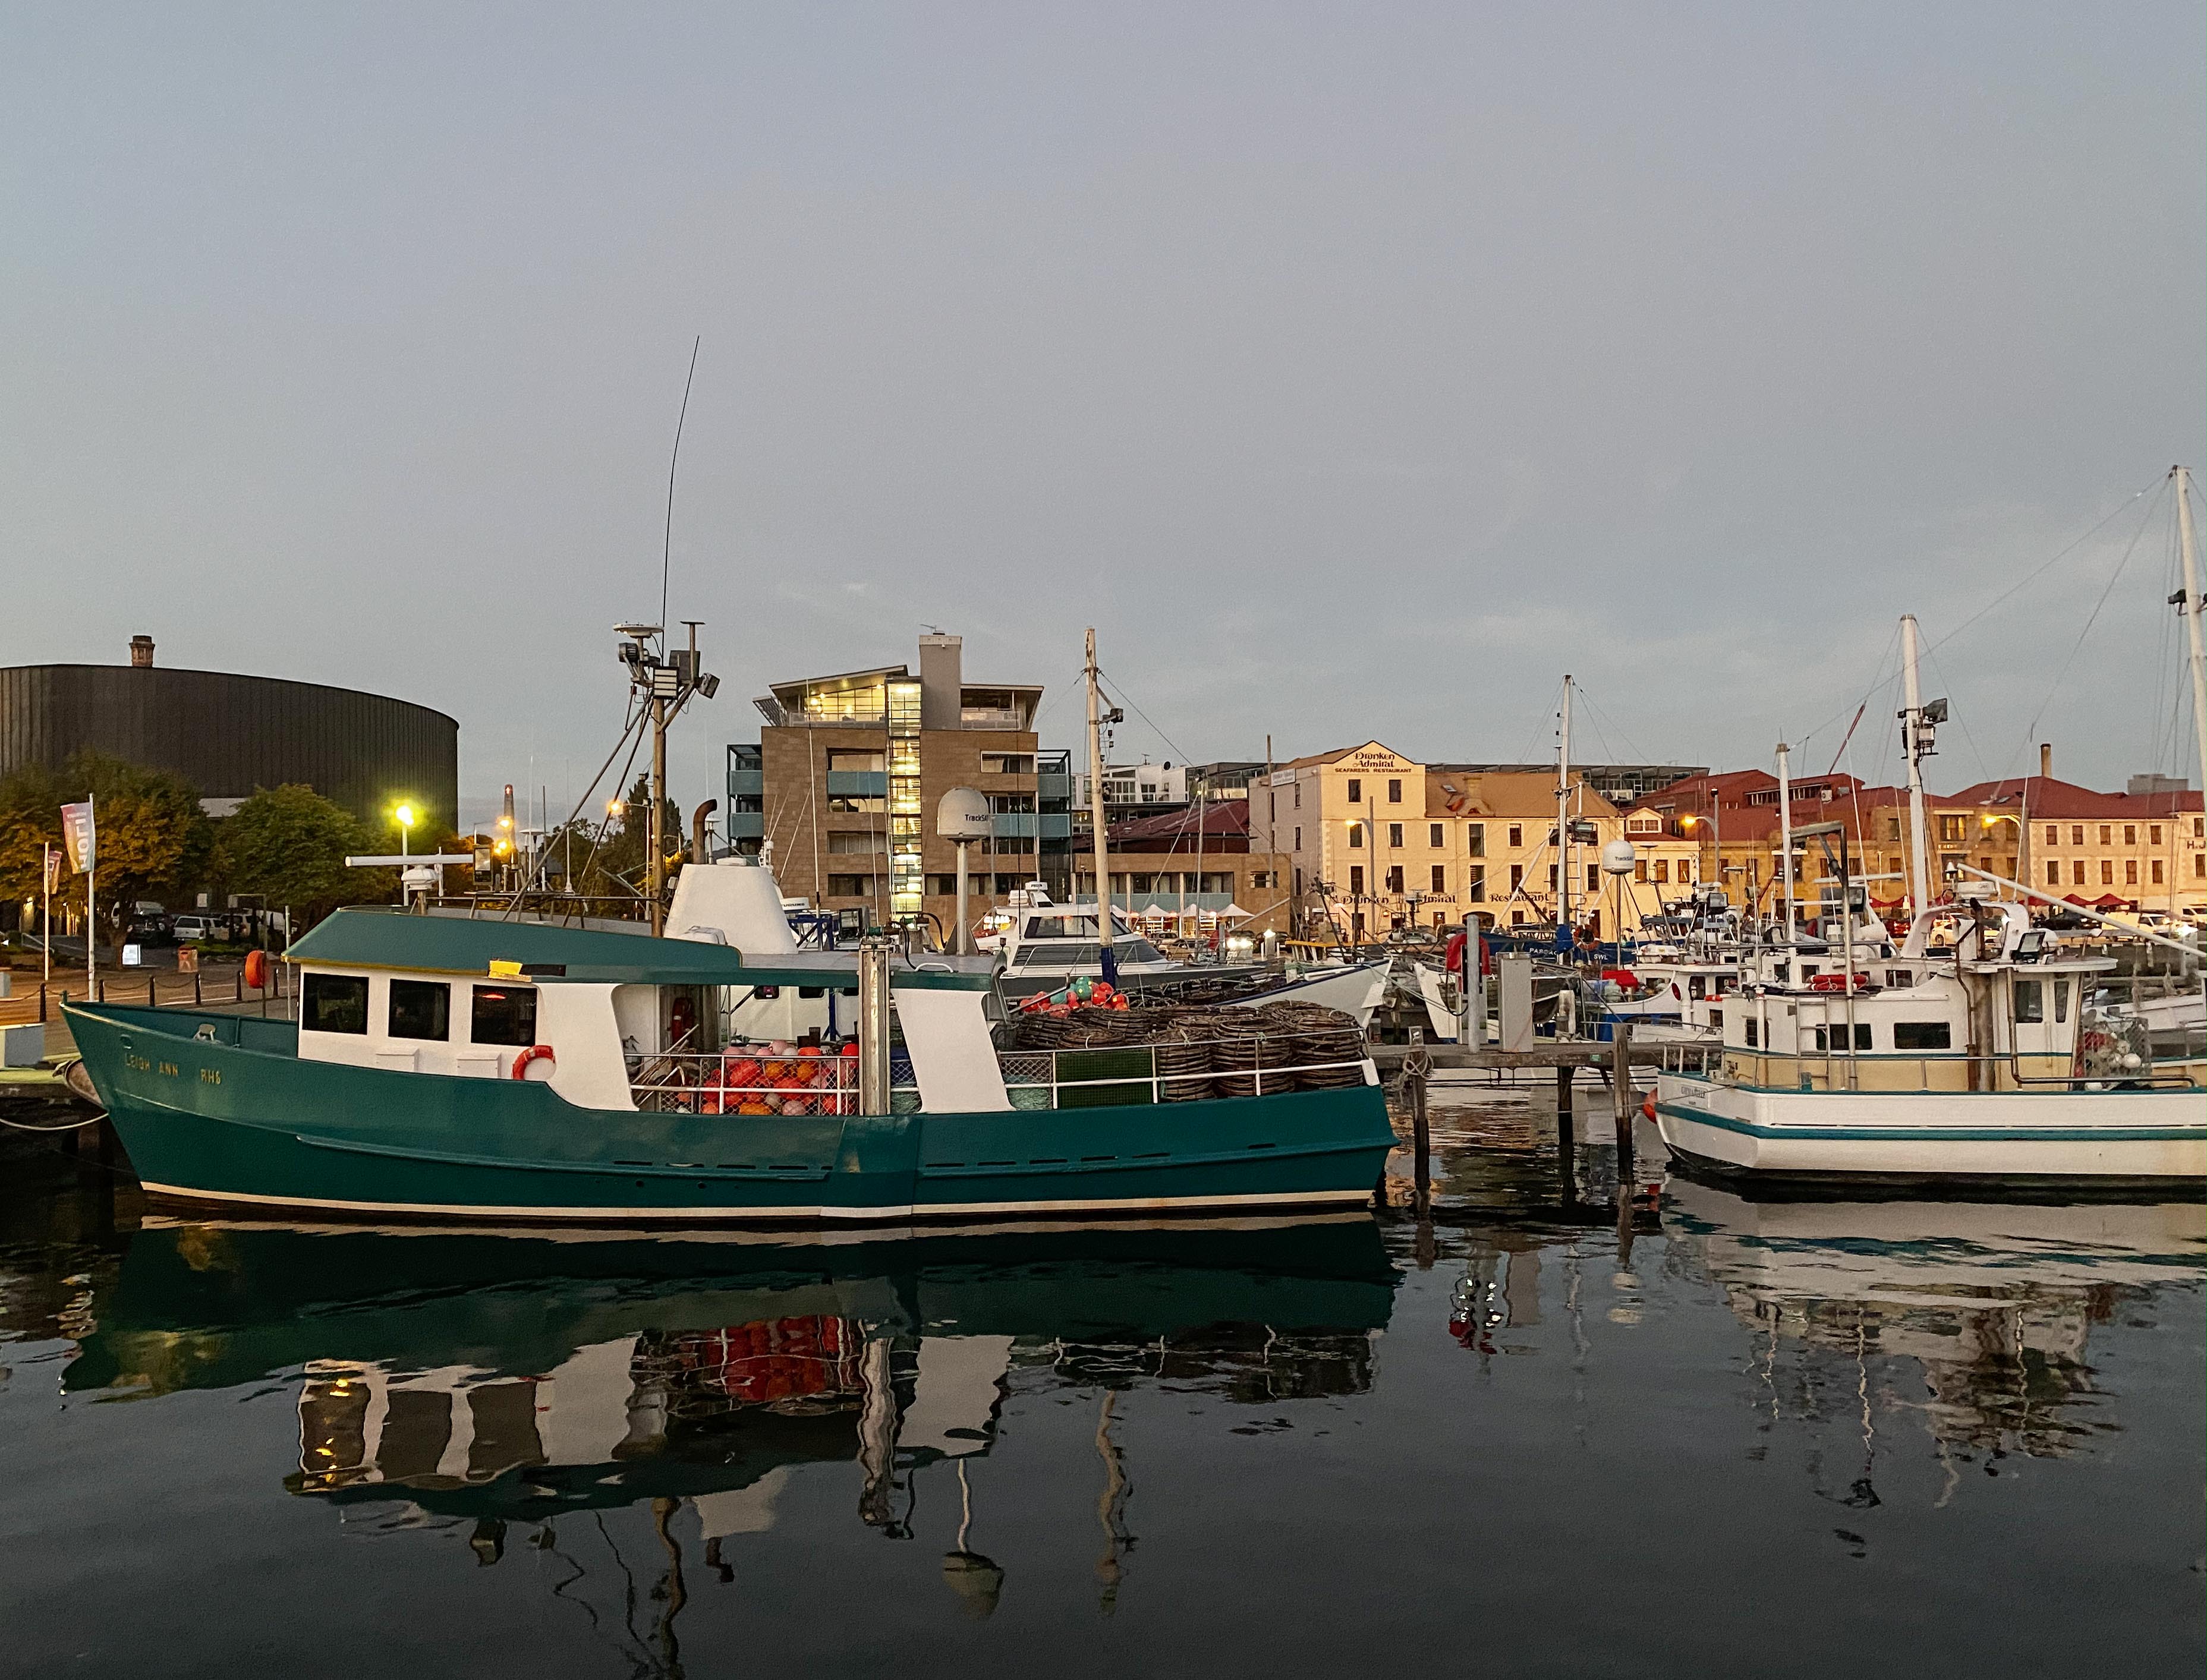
1080	958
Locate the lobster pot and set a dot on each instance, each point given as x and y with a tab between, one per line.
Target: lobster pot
1246	1060
1184	1062
1040	1031
1330	1058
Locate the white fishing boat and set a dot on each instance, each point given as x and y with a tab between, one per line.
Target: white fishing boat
1983	1056
1988	1065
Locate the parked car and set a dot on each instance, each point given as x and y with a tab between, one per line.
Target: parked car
195	929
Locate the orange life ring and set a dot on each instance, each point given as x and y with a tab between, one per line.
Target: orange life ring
533	1053
256	969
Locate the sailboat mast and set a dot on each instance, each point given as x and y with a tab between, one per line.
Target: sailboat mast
1096	819
1565	939
1786	833
1912	730
2191	606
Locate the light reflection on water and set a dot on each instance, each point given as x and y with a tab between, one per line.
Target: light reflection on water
1967	1432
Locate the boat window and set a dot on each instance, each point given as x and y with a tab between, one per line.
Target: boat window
1862	1034
420	1009
1749	1028
1922	1035
1059	927
1054	956
503	1015
334	1003
1899	976
2030	1002
1697	987
812	991
2060	1001
1136	950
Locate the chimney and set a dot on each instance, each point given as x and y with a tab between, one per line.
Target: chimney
942	681
2046	761
141	652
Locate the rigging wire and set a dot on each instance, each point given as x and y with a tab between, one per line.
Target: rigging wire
1103	676
666	549
2030	730
636	717
2028	578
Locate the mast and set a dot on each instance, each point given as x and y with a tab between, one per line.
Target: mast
1202	811
1096	822
1786	836
655	875
1565	936
1912	737
2191	606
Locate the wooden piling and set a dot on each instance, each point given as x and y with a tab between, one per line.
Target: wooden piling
1566	1146
1621	1080
1422	1143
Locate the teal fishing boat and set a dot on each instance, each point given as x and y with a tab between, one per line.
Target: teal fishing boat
452	1068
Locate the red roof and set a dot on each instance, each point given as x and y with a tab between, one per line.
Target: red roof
1224	821
2043	795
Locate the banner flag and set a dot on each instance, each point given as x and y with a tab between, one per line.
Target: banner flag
78	832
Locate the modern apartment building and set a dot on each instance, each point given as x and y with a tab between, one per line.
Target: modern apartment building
841	790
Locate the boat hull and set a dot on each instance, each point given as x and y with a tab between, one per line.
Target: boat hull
211	1121
1995	1137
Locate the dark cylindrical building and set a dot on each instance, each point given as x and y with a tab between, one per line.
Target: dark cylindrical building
228	734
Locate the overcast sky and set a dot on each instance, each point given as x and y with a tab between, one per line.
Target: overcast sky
1355	370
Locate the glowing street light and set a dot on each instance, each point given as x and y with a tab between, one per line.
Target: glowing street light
615	809
403	814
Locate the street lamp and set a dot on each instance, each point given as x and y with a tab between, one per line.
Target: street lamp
402	815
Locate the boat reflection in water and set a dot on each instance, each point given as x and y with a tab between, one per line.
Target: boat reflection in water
1996	1302
512	1376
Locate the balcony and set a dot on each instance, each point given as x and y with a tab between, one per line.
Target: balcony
857	783
1014	825
741	782
746	825
1055	825
1054	785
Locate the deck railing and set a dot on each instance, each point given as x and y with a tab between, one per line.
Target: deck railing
1111	1075
749	1079
1897	1073
746	1080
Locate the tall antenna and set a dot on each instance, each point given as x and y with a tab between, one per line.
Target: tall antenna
667	550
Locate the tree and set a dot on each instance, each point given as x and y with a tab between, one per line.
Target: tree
30	801
288	844
152	837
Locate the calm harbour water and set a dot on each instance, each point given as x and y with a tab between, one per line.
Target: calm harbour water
1802	1437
